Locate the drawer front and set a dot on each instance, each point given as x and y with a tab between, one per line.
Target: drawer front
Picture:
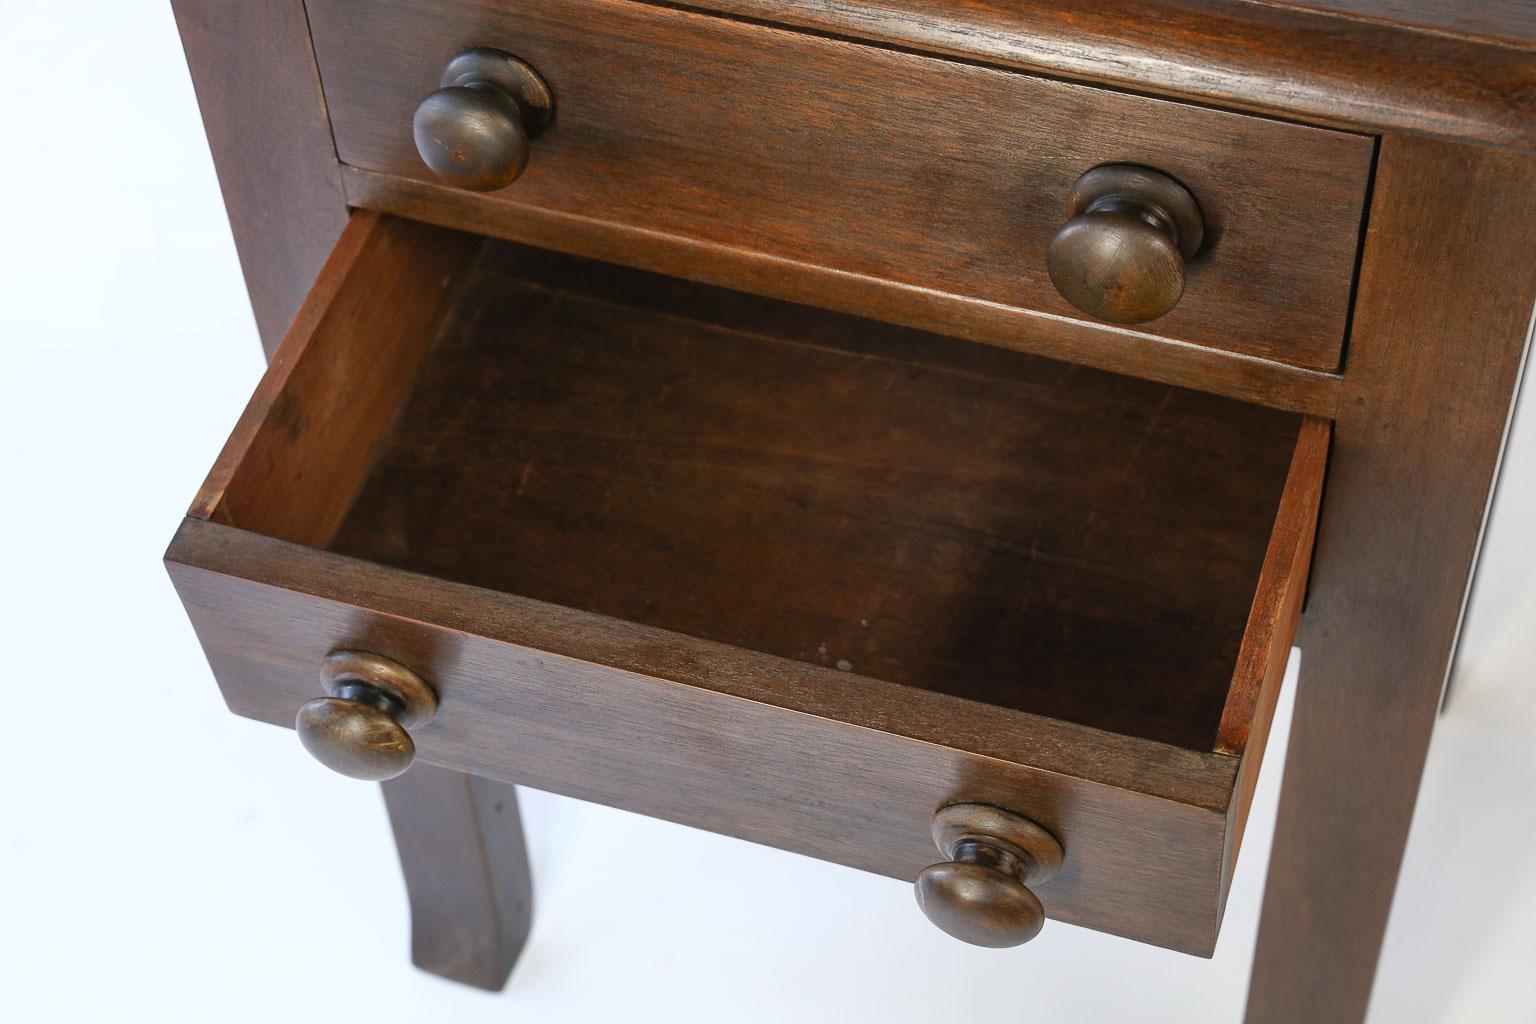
713	748
880	165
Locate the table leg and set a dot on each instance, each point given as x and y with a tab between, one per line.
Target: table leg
1440	327
461	848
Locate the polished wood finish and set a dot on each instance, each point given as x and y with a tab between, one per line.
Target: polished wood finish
476	130
1496	21
1273	619
1441	328
271	139
1122	256
1101	346
835	491
943	176
1432	357
293	463
1276	606
804	758
584	703
466	873
981	894
1442	68
362	729
332	415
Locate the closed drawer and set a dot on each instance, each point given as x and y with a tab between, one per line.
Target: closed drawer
747	155
771	571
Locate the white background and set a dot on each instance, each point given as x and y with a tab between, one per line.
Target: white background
161	860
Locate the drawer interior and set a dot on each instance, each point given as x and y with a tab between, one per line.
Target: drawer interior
893	504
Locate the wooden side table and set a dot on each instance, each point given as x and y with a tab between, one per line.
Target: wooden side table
891	430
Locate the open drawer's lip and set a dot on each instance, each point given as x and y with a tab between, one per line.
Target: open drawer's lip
823	762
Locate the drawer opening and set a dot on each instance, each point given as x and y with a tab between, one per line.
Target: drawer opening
848	494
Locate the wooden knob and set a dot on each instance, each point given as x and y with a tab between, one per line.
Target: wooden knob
981	895
1121	257
474	132
359	730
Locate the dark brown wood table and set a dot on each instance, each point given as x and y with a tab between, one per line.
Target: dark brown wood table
906	432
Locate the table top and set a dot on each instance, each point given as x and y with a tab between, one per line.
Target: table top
1459	69
1507	21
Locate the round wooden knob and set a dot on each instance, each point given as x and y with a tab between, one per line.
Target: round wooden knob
1121	257
474	132
359	730
981	895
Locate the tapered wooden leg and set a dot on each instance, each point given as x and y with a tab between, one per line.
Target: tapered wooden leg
256	79
1442	319
461	847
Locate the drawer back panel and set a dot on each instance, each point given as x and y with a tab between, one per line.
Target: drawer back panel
887	165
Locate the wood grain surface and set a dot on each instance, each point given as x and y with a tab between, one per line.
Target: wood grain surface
1443	68
779	752
793	752
265	117
292	465
1101	346
1442	325
998	527
1498	21
851	769
1272	624
1276	604
929	173
461	848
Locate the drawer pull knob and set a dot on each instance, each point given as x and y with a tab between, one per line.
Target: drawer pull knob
1121	257
474	132
981	895
359	729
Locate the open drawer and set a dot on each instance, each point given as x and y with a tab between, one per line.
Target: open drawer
779	573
